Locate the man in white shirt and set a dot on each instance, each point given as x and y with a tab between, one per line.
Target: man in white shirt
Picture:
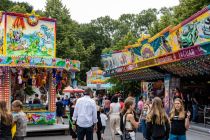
85	115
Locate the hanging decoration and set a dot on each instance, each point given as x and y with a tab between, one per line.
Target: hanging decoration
19	23
33	19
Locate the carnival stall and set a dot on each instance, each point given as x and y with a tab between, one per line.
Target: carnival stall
29	69
96	79
173	53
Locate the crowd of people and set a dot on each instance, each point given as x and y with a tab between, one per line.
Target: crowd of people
127	117
89	114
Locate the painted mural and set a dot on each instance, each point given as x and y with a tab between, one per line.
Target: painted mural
95	77
67	64
2	18
135	54
29	36
41	118
114	60
193	31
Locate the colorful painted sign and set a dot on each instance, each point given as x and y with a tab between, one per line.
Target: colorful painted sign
95	77
186	53
190	38
37	118
28	61
29	35
114	60
2	20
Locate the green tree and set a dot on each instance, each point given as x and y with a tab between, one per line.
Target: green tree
17	9
166	19
186	8
5	5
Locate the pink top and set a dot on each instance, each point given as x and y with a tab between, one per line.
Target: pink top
140	105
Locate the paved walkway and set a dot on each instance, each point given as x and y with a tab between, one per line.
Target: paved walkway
191	135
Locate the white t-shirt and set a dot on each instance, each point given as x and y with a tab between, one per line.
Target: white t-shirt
103	119
115	108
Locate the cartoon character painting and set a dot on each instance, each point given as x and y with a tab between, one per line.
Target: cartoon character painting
206	28
165	45
147	51
34	39
189	35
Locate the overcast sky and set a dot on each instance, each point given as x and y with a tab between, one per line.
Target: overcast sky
84	11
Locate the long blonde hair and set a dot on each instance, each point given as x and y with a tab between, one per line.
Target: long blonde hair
181	111
128	102
6	116
157	113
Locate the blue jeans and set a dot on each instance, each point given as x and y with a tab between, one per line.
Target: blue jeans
143	127
195	113
82	131
106	110
177	137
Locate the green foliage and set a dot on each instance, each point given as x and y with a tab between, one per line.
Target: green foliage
125	86
177	14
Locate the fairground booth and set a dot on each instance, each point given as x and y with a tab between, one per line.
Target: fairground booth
175	57
29	69
96	80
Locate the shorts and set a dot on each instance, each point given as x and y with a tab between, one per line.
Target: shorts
59	114
103	129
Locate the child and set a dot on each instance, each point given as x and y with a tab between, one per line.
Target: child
19	119
5	122
59	110
103	121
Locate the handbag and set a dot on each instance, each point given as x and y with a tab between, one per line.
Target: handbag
126	134
13	130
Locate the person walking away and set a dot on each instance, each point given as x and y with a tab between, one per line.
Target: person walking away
128	119
6	120
66	104
19	119
103	121
59	110
99	123
195	106
179	120
72	132
106	105
142	119
121	103
114	115
85	116
157	123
